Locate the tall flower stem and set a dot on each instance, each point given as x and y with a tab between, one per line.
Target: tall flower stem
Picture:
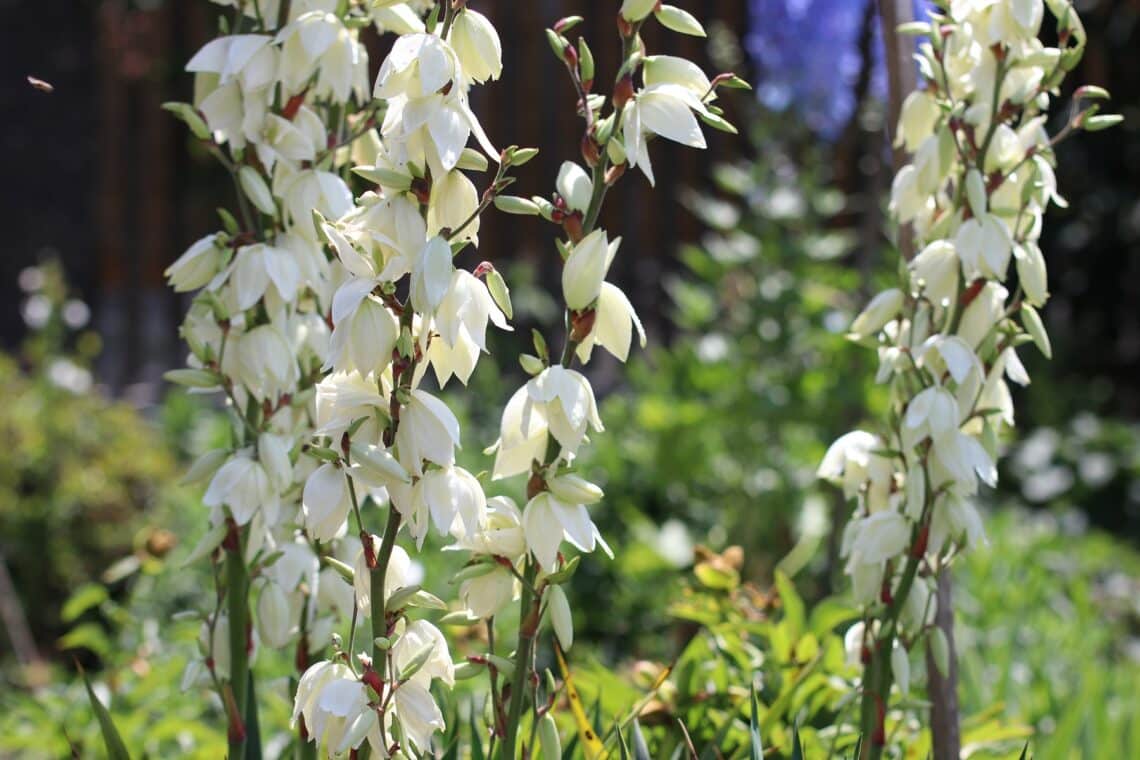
237	605
378	600
528	630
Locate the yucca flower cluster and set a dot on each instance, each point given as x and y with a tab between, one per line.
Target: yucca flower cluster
980	179
346	276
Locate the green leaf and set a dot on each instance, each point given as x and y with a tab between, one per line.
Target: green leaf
116	750
476	738
794	613
757	746
797	746
640	748
86	597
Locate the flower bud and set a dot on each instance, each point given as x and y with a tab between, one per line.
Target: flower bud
635	10
900	666
274	619
548	738
940	650
500	293
882	309
573	489
574	186
679	20
513	204
197	266
585	269
1036	329
254	187
560	617
1032	273
431	276
916	120
378	464
477	44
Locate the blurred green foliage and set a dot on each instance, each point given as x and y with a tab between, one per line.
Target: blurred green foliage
78	470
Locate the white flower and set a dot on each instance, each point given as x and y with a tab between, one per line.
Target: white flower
851	462
276	621
451	496
477	46
586	268
547	521
326	502
936	271
614	322
431	276
567	404
364	333
919	114
262	361
500	534
454	200
428	430
248	59
319	43
882	309
985	244
256	267
242	485
197	266
344	397
312	190
874	539
523	434
574	186
665	110
669	69
333	703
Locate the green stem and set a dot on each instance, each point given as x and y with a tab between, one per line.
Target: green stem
237	604
528	630
378	602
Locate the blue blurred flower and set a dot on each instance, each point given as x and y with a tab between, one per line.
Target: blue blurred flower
807	56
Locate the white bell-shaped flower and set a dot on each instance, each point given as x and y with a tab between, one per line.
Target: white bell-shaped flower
548	521
428	431
477	46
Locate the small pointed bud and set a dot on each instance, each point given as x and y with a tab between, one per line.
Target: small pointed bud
679	20
635	10
254	187
882	309
976	192
1036	329
585	269
500	293
190	117
567	23
900	666
513	204
574	489
548	739
558	43
940	650
585	64
520	156
532	365
560	617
